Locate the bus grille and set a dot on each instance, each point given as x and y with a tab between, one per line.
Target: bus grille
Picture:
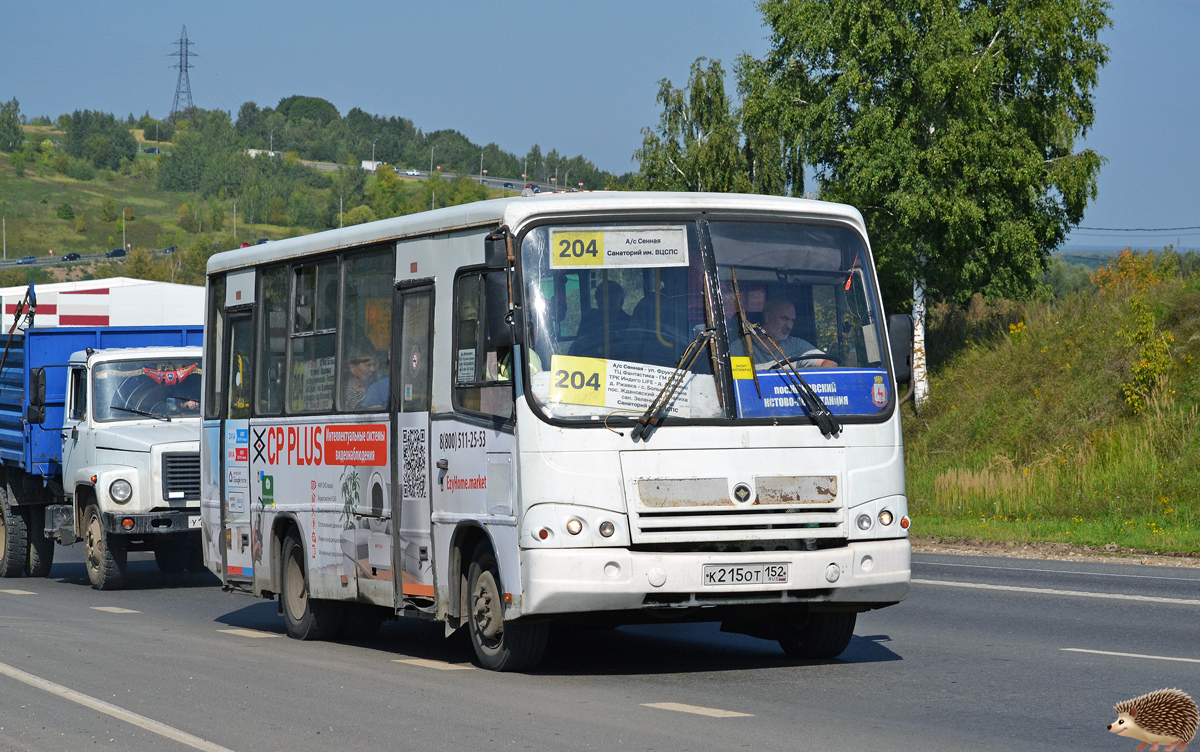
181	476
700	510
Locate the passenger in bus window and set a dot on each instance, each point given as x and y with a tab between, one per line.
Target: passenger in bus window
377	393
362	366
778	320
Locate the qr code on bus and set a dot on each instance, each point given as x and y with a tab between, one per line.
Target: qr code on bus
416	473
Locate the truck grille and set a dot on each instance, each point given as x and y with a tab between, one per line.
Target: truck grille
181	476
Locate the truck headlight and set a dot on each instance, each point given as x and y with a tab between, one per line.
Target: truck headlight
120	490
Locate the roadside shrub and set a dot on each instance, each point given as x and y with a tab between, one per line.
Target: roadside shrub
65	211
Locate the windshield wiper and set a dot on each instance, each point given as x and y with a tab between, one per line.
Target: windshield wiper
744	330
141	412
649	422
817	409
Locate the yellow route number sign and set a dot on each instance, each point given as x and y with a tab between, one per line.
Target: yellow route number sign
578	381
578	249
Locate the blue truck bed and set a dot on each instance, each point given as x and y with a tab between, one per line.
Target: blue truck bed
38	449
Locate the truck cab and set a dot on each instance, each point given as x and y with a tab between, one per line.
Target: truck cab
131	459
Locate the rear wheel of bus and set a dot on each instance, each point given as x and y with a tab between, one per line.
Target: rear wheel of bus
817	635
499	646
306	618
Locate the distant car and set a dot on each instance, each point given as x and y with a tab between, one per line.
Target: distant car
71	257
508	185
27	260
263	240
151	150
168	250
411	173
115	253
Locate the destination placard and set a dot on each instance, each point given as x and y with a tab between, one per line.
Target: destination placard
600	248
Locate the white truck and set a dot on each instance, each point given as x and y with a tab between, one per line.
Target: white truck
109	451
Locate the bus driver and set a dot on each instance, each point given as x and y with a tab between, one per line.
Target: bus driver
779	317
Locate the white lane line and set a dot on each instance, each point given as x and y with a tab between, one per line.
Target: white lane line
18	592
249	633
1132	655
162	729
1048	591
115	610
1056	571
697	710
439	665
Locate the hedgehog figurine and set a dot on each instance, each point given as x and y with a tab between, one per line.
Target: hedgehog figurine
1167	717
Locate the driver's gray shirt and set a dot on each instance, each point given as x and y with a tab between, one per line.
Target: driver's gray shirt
792	347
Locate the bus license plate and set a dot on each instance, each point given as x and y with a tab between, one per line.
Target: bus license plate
745	574
194	522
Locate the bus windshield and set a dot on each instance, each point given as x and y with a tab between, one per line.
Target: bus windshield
612	309
141	389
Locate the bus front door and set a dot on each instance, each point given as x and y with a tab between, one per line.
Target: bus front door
411	367
238	536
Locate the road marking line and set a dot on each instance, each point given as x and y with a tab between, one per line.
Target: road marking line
1048	591
115	610
18	592
439	665
249	633
121	714
697	710
1055	571
1133	655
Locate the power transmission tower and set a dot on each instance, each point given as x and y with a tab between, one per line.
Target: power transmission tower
183	87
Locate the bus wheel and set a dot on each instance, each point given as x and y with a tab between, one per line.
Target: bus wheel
41	548
14	543
170	558
819	635
104	555
306	618
499	646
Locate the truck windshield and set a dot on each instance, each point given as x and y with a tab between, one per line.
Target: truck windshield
612	307
135	389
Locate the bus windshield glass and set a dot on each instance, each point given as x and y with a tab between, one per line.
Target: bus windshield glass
613	308
141	389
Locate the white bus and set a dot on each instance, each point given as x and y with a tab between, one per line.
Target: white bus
605	408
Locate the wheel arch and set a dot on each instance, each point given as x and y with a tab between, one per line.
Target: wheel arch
280	526
467	536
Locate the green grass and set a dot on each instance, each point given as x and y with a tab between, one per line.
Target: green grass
1028	435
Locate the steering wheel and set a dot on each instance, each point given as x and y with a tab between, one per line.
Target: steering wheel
837	361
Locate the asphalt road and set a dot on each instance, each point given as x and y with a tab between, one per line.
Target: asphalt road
983	655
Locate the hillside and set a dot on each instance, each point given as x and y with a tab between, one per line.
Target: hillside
1073	420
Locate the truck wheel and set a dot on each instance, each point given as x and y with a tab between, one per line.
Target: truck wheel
41	548
171	559
104	556
820	635
498	646
14	541
306	618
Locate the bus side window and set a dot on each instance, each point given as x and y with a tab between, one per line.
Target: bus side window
366	330
482	374
273	343
313	373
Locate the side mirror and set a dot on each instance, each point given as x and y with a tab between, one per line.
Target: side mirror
900	334
35	415
498	330
37	387
495	249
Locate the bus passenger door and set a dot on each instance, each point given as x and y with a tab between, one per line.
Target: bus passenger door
237	534
411	366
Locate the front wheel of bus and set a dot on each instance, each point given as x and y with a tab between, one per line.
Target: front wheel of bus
306	618
819	635
499	646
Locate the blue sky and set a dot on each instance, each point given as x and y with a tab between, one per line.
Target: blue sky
579	77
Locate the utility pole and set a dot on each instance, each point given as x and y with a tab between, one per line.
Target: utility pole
235	221
431	148
5	223
339	212
481	166
124	214
183	86
373	154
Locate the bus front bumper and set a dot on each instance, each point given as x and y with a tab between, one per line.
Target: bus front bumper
562	581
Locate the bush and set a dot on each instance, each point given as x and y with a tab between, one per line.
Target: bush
78	169
108	209
358	215
65	211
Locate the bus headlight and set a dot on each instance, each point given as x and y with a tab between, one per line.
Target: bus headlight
120	490
574	526
864	522
607	529
885	518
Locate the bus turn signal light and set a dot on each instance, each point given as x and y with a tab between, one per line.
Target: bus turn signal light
904	522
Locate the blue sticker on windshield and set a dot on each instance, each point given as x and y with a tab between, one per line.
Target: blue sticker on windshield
844	391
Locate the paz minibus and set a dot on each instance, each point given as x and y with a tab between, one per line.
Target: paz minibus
572	408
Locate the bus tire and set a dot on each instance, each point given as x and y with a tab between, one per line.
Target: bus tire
821	635
41	548
362	621
105	556
306	618
498	646
170	558
14	539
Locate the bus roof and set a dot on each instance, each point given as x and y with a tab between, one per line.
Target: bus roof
516	211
